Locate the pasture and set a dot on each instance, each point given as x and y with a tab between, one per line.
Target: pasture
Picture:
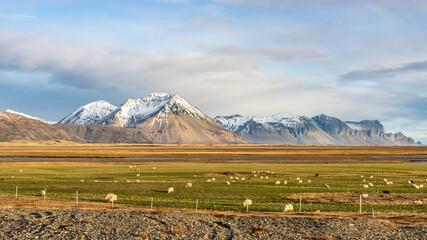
138	182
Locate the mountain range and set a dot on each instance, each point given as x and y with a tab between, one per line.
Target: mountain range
165	118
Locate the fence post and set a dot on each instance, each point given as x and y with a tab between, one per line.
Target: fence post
197	204
151	207
360	204
77	197
16	193
300	200
373	213
44	197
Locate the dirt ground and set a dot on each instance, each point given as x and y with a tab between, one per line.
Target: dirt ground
36	202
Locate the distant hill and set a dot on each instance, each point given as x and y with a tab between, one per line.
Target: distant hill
286	128
17	127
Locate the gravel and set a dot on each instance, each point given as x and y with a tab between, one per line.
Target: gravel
102	224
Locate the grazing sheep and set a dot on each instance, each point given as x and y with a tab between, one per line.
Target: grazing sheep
300	181
365	186
361	176
154	168
111	197
82	180
416	186
298	178
326	186
231	177
138	175
228	183
237	178
370	184
272	172
20	170
170	190
285	182
385	180
95	180
410	181
12	177
418	202
243	179
189	185
208	180
213	179
364	180
138	180
261	177
277	182
138	169
387	183
247	202
316	175
130	166
288	208
365	195
255	175
42	193
421	185
371	176
308	181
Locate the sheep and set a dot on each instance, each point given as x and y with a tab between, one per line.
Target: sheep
208	180
82	180
228	183
261	177
371	176
418	202
365	186
189	185
285	182
20	170
365	195
416	186
361	176
385	180
300	181
247	202
277	182
42	193
95	180
237	178
111	197
243	179
130	166
154	168
421	185
370	184
364	180
326	186
213	179
231	177
410	181
298	178
138	180
288	208
170	190
266	177
138	175
308	181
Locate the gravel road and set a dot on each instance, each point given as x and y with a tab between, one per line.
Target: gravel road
103	224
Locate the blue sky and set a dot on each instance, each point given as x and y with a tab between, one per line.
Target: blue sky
354	60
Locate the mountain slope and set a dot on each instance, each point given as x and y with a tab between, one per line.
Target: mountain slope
90	114
180	122
284	128
28	116
17	127
105	134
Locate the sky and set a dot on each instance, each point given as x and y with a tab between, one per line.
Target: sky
353	59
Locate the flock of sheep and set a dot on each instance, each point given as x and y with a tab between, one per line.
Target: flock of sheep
248	202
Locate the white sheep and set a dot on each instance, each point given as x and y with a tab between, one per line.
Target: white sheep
138	180
299	181
370	184
237	178
418	202
243	179
285	182
326	186
111	197
261	177
208	180
138	175
385	180
228	183
298	178
371	176
421	185
365	195
82	180
231	177
288	208
364	180
277	182
361	176
266	177
42	193
213	179
154	168
308	181
170	190
188	185
247	202
416	186
365	185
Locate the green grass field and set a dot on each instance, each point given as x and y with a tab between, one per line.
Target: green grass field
345	181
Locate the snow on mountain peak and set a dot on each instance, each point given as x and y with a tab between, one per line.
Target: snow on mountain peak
287	119
90	114
232	123
28	116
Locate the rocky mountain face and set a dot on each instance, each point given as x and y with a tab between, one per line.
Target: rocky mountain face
17	127
105	134
159	117
285	128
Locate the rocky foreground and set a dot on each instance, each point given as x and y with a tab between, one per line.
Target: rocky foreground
102	224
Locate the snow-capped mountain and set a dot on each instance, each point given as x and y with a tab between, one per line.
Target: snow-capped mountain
28	116
134	111
162	117
285	128
90	114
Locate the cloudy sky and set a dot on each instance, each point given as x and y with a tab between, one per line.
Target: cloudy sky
354	60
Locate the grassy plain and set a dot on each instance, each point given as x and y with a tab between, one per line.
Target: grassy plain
94	170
